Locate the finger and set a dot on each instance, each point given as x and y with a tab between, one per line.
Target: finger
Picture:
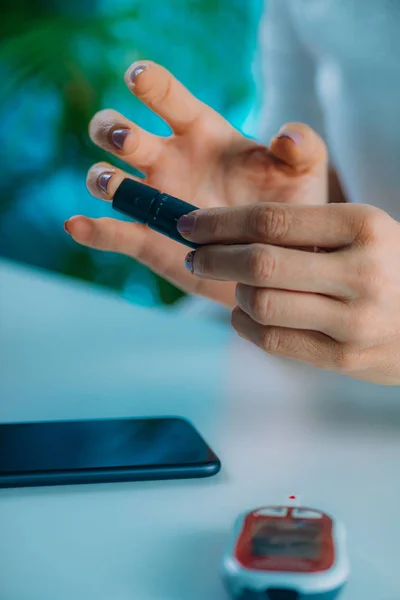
107	234
119	136
169	99
298	146
159	253
326	226
307	346
293	310
104	179
274	267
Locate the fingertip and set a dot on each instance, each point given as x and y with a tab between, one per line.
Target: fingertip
300	129
286	147
186	224
101	181
133	75
111	131
156	87
237	319
299	146
80	228
293	136
101	123
289	139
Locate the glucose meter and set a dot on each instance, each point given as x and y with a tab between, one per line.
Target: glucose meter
286	553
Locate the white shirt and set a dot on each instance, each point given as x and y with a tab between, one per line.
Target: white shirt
335	65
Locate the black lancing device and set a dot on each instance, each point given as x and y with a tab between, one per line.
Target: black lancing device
153	208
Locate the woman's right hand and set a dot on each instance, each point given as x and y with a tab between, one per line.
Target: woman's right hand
205	162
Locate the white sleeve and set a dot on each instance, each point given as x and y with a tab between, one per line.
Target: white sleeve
288	71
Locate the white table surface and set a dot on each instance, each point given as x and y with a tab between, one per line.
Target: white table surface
70	351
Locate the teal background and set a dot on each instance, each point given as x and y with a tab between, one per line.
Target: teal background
60	62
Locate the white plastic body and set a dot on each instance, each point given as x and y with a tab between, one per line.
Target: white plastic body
324	585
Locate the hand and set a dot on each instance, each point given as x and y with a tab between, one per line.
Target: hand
337	310
205	162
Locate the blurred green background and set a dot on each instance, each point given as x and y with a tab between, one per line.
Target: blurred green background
60	62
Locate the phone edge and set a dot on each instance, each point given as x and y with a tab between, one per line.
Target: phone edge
84	477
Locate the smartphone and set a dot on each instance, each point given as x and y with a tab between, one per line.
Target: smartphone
98	451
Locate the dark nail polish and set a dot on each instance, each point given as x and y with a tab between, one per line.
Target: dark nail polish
104	180
186	223
66	227
189	261
292	135
137	71
119	136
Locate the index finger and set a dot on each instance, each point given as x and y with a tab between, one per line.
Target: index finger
328	226
169	98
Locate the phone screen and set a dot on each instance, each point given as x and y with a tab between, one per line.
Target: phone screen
81	445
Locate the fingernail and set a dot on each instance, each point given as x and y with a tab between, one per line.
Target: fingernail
292	135
103	181
66	227
119	136
186	223
136	72
189	261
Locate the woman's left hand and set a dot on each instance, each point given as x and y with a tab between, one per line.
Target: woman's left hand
338	309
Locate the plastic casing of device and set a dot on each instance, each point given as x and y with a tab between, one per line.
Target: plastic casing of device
250	584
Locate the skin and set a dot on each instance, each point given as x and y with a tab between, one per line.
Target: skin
206	162
335	309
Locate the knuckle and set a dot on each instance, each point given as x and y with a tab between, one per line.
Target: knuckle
269	222
217	222
370	275
107	235
261	306
348	359
159	91
97	234
358	324
203	262
271	340
115	240
100	234
261	263
373	221
364	323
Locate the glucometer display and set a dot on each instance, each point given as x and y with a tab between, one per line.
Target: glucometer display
296	539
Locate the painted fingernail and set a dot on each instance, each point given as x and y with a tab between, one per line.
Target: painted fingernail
189	261
137	71
66	227
119	136
103	181
292	135
186	223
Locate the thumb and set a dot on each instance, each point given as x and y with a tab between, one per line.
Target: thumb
300	147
